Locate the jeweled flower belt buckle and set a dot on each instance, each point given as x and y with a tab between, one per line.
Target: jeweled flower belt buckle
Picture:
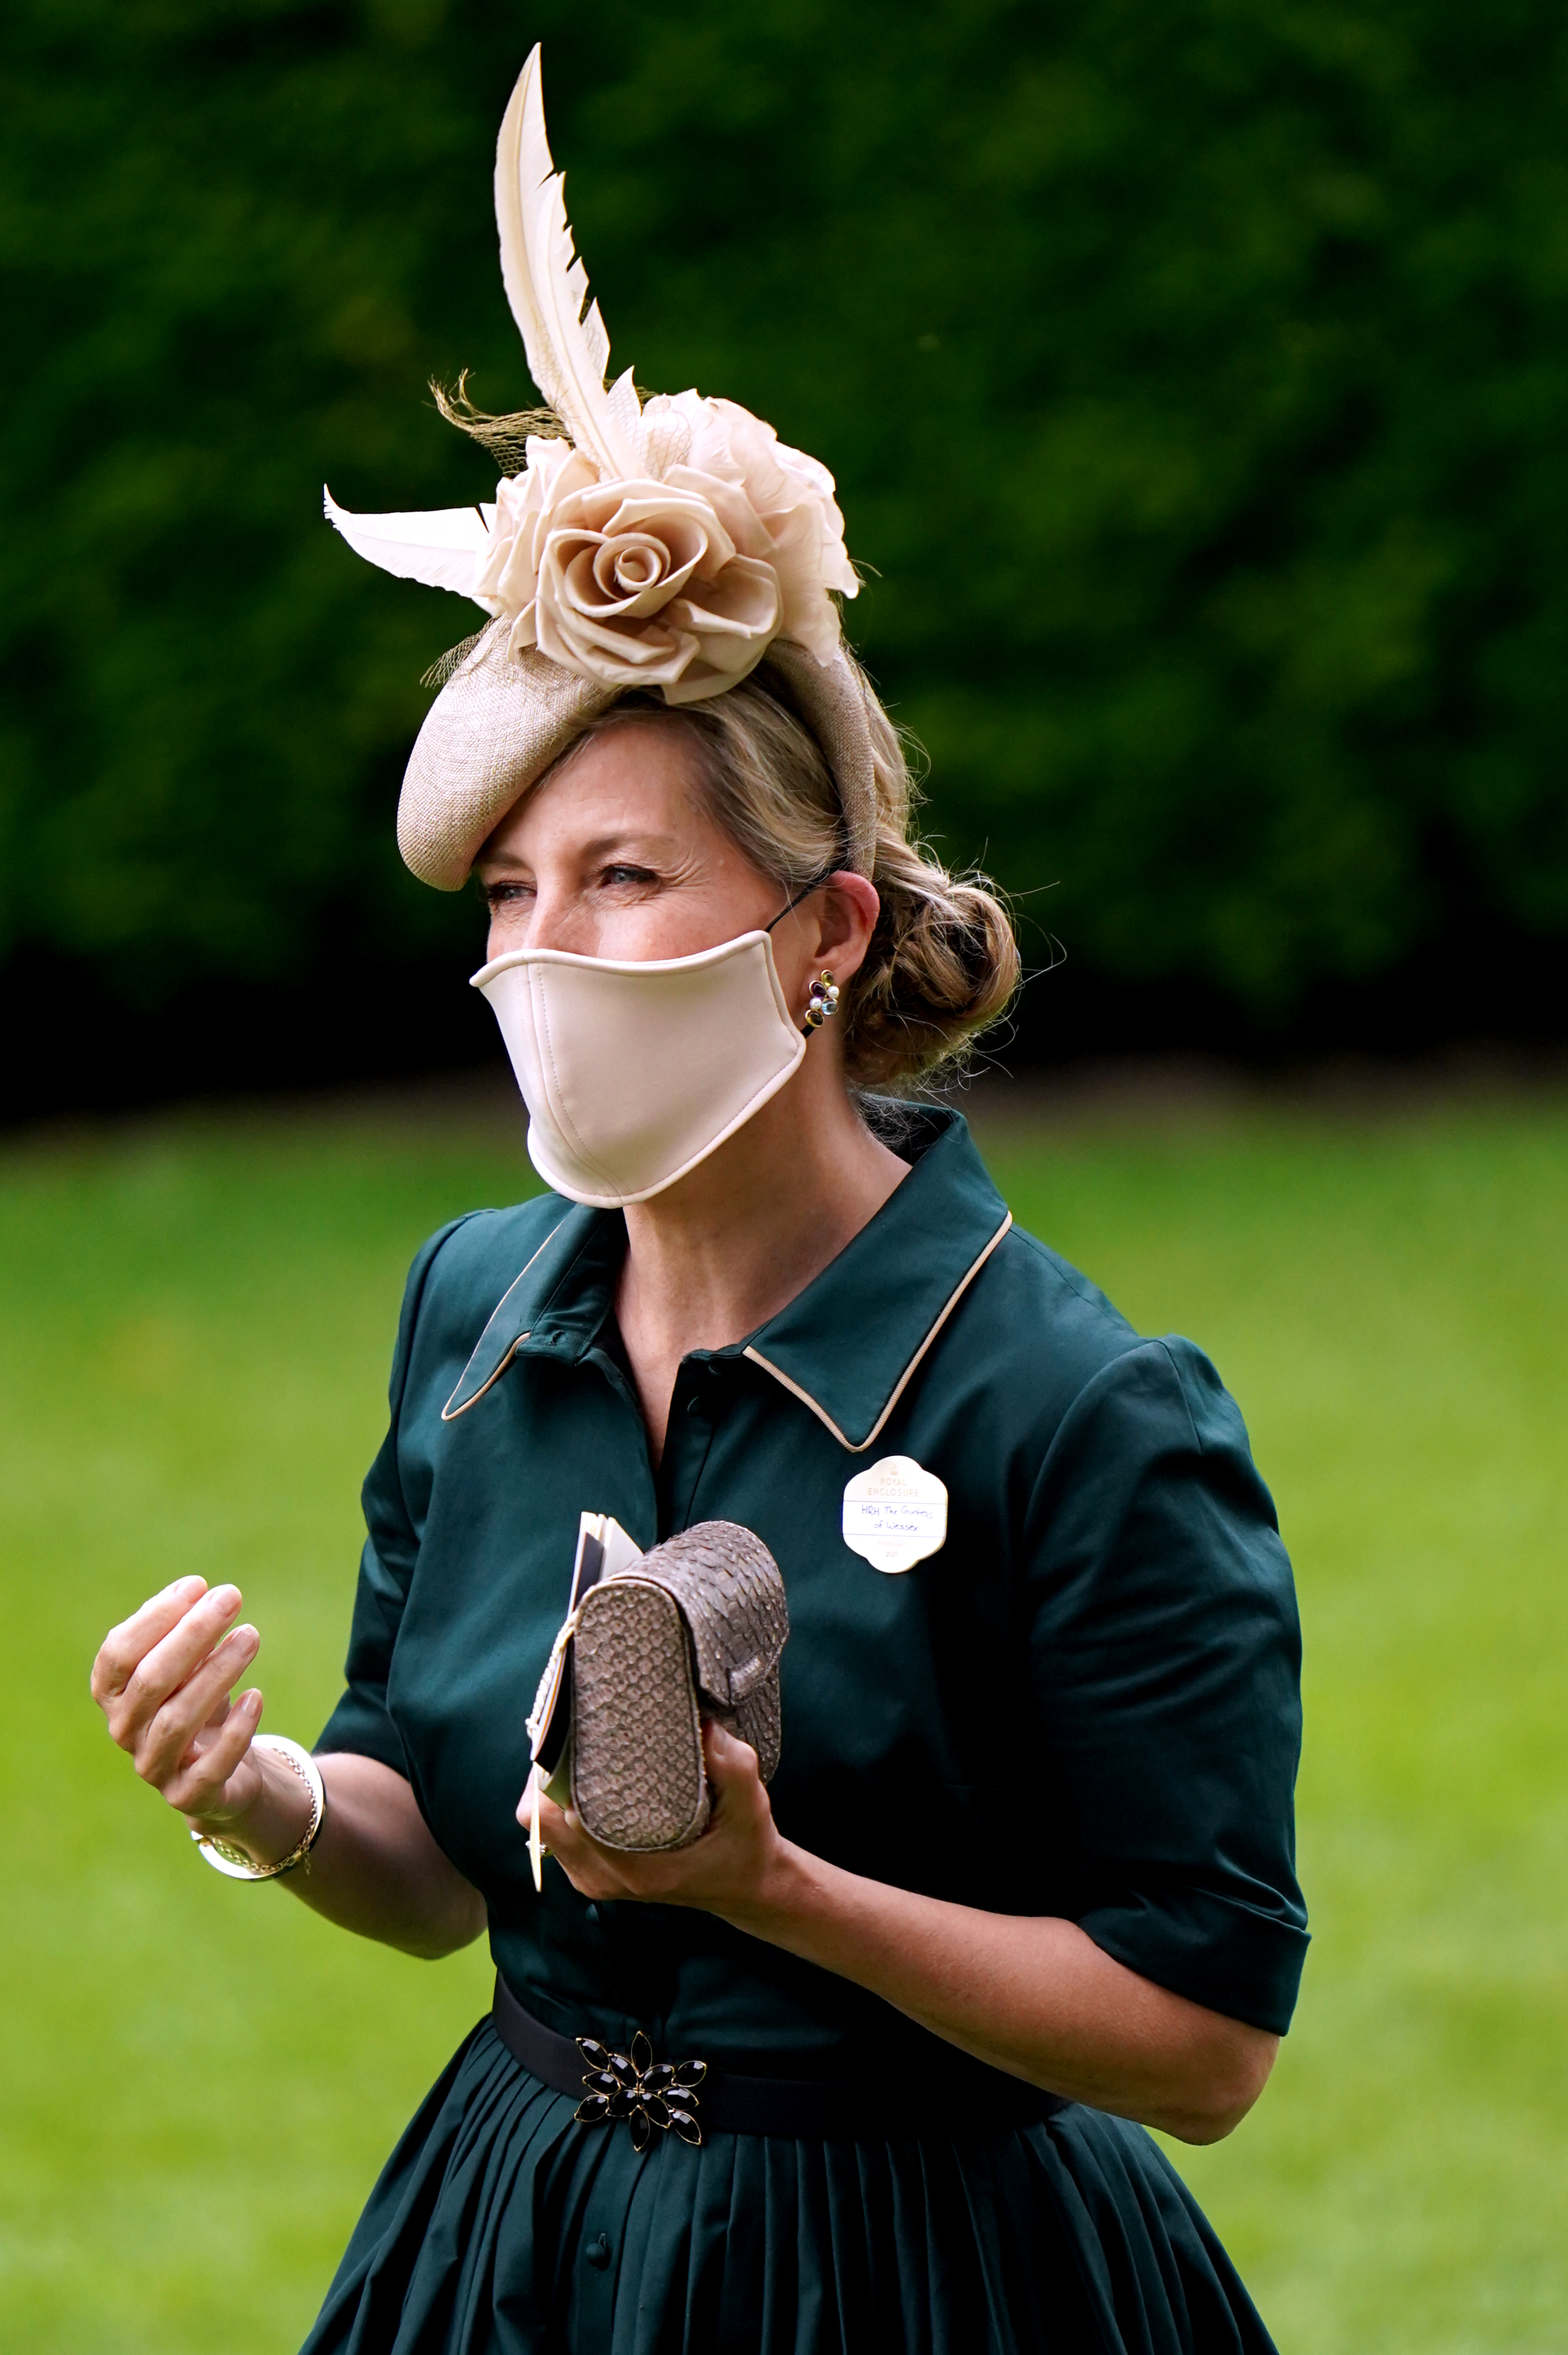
645	2092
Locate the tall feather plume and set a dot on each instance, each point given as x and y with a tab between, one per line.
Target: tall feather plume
547	287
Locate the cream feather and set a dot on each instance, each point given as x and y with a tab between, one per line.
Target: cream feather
443	546
547	287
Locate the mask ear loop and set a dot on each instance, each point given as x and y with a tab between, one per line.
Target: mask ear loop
824	997
801	896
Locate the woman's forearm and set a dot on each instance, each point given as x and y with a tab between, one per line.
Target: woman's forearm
375	1868
1034	1996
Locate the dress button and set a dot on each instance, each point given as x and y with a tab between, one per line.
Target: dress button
597	2253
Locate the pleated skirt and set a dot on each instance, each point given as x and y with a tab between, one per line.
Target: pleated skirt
501	2227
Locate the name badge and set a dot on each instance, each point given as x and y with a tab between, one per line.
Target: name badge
895	1514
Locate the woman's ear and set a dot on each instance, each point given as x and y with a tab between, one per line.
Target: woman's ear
850	907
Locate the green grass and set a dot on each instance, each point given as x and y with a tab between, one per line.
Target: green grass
198	2081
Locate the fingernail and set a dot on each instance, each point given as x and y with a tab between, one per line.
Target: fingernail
228	1596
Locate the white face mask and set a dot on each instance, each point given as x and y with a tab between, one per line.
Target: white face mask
634	1074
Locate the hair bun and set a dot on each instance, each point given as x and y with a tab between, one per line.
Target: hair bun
943	965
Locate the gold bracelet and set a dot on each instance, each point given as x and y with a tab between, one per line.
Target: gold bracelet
226	1857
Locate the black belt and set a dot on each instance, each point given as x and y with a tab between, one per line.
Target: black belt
689	2098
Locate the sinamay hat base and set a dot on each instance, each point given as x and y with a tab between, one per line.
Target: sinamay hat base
503	719
675	542
496	725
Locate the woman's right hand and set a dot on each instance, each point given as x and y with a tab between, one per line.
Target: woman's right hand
163	1679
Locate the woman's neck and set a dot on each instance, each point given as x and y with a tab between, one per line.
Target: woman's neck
711	1259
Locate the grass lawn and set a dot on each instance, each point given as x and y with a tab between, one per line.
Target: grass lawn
198	2081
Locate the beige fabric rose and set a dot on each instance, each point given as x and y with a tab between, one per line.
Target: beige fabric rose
679	578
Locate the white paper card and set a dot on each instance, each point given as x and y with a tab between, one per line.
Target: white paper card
600	1536
895	1514
621	1552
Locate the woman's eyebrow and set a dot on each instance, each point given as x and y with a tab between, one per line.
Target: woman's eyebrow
655	848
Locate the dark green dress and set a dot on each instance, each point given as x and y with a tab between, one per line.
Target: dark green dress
1084	1704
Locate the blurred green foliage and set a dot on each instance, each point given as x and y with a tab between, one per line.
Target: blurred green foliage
1195	379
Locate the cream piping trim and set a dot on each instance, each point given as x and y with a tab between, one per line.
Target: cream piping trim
450	1413
821	1413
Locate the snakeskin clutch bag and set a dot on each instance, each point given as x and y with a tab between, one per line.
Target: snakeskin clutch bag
652	1644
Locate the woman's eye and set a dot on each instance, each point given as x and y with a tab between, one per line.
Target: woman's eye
633	874
505	895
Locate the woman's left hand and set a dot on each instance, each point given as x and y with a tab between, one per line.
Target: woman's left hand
726	1871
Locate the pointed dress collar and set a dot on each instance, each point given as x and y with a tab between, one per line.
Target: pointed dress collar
847	1346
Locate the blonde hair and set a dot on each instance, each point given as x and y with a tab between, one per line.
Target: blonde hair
942	964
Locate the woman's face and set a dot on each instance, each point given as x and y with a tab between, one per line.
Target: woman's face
614	856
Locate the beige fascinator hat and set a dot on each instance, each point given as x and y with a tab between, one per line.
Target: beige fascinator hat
670	543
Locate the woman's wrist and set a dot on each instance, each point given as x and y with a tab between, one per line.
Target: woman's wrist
273	1823
780	1899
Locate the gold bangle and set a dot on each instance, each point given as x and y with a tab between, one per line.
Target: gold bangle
226	1857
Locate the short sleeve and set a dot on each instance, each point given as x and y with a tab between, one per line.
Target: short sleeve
360	1722
1165	1658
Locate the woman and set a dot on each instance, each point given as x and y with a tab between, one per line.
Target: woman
1025	1875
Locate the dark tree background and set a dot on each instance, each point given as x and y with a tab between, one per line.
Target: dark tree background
1196	381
